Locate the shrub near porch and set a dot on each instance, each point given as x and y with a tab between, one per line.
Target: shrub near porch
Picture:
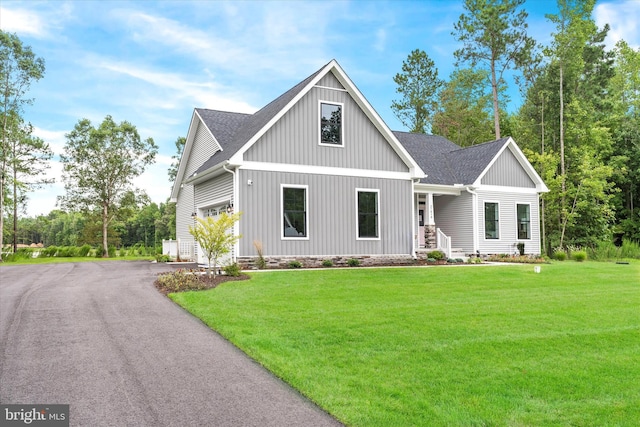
464	346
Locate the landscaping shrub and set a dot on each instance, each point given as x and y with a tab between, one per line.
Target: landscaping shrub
163	258
260	262
520	247
327	263
559	255
353	262
180	281
630	249
84	250
21	254
436	255
48	252
233	270
579	255
294	264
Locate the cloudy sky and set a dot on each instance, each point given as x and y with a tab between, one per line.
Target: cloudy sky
153	62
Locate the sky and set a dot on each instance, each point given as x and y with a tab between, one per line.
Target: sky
152	62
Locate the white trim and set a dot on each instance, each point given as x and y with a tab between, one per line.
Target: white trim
475	215
339	89
324	170
342	122
437	189
530	223
414	169
208	205
502	189
378	213
306	212
522	160
186	153
484	222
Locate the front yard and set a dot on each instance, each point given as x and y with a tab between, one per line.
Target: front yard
444	346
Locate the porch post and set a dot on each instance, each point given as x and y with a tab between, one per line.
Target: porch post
430	225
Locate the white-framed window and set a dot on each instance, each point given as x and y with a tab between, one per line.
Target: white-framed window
368	213
491	220
295	208
523	220
331	124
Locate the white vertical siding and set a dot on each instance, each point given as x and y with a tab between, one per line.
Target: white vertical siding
508	238
331	215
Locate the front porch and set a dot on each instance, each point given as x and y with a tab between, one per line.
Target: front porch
429	237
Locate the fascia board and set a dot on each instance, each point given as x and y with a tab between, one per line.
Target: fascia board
208	174
186	152
239	155
370	112
437	189
522	159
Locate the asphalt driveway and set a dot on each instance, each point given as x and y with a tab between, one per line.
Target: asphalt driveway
99	337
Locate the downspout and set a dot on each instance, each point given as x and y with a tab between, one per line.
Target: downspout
474	208
236	231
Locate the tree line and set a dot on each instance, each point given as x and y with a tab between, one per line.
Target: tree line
579	122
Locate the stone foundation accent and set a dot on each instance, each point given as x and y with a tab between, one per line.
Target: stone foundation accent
249	263
430	239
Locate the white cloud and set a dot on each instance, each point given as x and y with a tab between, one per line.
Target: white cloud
55	138
380	40
624	19
207	94
22	22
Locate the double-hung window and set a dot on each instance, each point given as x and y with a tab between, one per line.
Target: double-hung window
294	212
368	207
491	220
524	221
331	124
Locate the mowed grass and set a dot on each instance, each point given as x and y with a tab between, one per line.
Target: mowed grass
445	346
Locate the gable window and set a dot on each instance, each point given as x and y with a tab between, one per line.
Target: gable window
331	124
294	212
491	220
368	211
524	221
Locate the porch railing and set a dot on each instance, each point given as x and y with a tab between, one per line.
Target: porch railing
443	242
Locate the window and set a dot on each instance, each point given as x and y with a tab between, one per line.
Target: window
524	221
491	220
331	124
368	224
294	212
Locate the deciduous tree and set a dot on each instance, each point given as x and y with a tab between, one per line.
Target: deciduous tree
215	236
99	165
19	67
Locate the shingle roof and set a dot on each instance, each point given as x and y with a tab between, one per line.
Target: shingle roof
239	128
443	161
446	163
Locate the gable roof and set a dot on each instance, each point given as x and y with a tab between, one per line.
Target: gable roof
236	132
446	163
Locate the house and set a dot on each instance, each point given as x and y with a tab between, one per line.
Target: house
318	175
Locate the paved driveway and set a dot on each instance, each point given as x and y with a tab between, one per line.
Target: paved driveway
99	337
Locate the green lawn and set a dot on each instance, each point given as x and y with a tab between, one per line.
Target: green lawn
445	346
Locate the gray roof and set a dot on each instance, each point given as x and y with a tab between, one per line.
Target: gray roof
446	163
443	161
237	129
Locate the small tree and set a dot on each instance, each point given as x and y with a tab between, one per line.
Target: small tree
215	236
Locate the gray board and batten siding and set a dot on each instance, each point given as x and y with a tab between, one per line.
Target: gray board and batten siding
204	146
507	171
331	220
294	139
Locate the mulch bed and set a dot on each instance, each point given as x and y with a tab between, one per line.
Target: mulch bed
206	282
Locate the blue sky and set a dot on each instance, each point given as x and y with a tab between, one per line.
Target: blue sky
152	62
